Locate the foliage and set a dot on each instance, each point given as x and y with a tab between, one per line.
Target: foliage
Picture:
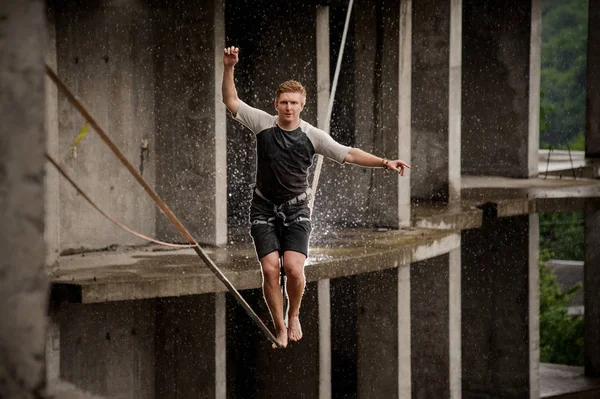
562	234
563	73
561	336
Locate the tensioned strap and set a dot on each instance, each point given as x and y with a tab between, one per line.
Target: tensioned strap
159	202
336	76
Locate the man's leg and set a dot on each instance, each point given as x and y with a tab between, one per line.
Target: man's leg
272	294
293	264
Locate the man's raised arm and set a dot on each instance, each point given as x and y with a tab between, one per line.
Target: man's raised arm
228	90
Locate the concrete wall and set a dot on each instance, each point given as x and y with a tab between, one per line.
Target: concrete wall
500	90
109	349
256	370
436	111
149	72
592	135
23	282
104	54
366	115
591	285
190	119
500	308
435	309
265	62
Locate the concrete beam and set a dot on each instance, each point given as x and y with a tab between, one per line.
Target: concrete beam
500	290
592	133
23	281
591	285
501	50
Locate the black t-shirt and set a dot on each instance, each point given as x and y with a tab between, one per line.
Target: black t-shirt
283	156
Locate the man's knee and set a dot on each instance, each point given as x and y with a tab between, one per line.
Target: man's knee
294	269
270	266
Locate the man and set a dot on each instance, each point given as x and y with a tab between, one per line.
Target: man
279	212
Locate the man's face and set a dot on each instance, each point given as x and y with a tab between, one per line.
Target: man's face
289	106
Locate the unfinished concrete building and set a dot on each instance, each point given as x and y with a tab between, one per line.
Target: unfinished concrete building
424	286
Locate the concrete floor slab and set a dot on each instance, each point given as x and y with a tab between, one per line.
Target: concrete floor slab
560	381
511	197
149	272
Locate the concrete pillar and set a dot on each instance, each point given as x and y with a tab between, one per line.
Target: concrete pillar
591	286
190	347
104	54
436	93
23	283
435	309
109	349
190	118
500	308
592	134
501	72
259	371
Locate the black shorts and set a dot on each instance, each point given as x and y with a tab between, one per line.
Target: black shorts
282	228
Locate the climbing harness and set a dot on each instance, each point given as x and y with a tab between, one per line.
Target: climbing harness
160	203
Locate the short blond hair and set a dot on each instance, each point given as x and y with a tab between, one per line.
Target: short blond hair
291	86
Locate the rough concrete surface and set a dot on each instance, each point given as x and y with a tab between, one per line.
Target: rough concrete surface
23	282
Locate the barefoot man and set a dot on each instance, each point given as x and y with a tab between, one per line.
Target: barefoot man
279	211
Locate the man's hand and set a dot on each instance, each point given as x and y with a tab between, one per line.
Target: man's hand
231	56
397	166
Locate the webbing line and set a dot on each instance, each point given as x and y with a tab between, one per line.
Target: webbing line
63	172
160	203
336	76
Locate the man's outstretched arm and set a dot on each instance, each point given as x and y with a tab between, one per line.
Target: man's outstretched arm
363	158
228	90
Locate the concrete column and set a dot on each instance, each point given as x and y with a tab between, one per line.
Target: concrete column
500	308
109	349
436	99
592	134
23	283
104	54
190	120
190	347
435	308
592	289
455	323
501	72
52	182
383	334
404	106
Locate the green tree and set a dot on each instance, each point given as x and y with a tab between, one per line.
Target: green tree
561	336
563	73
561	233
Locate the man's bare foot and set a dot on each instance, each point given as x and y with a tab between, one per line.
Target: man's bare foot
294	329
282	337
